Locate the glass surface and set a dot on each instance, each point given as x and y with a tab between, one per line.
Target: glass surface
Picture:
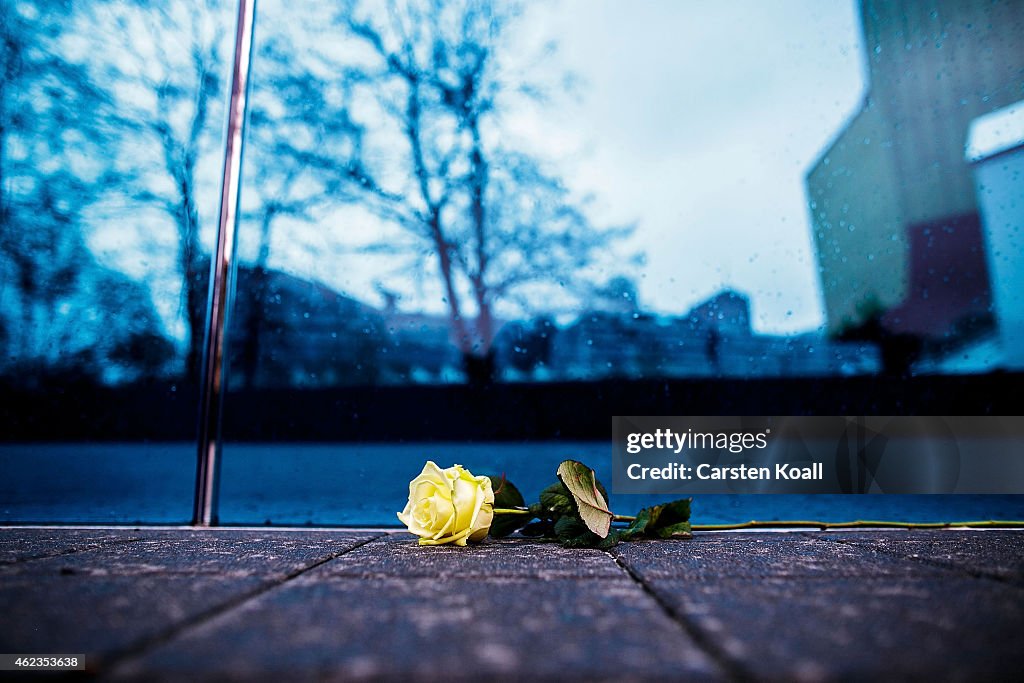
471	193
467	223
111	142
474	222
365	484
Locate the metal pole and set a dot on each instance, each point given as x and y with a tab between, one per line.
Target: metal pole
222	267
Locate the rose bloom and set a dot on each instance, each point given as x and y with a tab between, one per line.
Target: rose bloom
448	506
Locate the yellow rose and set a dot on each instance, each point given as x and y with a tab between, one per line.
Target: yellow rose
448	506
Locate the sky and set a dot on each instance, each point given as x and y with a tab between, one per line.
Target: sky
698	121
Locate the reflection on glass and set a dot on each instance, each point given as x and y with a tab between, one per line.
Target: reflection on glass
111	117
895	209
476	192
480	194
487	218
379	143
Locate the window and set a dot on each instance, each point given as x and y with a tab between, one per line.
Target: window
111	118
477	230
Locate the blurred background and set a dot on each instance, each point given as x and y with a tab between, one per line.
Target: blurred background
467	223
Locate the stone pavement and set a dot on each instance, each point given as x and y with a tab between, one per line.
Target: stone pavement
275	604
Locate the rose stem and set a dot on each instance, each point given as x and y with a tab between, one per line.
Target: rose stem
860	523
809	524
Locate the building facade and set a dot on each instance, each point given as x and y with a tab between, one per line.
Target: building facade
895	217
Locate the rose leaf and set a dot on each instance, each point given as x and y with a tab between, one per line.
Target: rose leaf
636	529
669	520
572	533
506	495
592	506
680	530
557	500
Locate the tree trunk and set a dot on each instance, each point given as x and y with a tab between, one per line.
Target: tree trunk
192	266
484	322
195	303
480	370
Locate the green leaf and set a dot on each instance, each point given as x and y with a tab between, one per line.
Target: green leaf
610	541
680	530
669	514
591	504
506	495
557	499
636	529
668	520
570	530
574	534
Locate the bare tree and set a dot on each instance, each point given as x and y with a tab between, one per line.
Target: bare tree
409	127
498	226
289	144
171	71
50	121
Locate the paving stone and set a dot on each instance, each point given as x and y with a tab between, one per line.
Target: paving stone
220	552
98	615
711	557
21	545
429	629
273	604
399	555
993	553
893	628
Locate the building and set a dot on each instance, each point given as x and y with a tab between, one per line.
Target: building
895	216
291	332
713	339
419	349
995	149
